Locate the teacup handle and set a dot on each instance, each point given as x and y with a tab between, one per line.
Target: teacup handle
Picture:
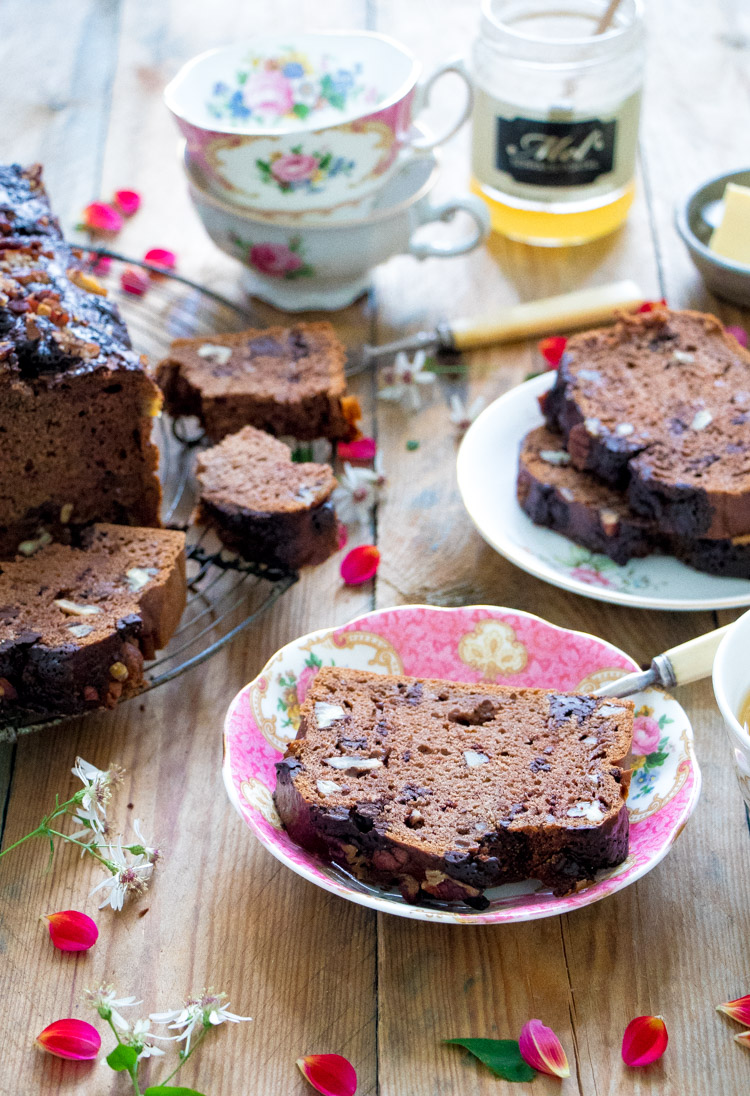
476	209
424	91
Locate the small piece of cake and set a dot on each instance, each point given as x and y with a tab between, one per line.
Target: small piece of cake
285	380
24	205
77	623
263	505
660	404
447	789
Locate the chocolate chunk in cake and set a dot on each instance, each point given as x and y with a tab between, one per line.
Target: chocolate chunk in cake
265	506
660	404
77	623
447	789
24	206
285	380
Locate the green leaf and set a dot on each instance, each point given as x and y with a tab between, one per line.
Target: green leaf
300	110
122	1057
170	1090
502	1056
654	759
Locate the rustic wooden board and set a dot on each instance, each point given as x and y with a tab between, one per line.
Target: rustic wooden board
318	974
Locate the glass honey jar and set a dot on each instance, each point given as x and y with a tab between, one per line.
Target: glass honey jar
555	119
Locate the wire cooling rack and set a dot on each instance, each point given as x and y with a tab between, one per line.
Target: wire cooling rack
226	594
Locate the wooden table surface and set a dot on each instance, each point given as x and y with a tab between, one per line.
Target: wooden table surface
81	92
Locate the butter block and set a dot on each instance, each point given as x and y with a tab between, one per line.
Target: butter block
731	239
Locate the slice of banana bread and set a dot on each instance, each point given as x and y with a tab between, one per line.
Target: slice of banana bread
593	514
447	789
285	380
660	404
77	623
555	494
263	505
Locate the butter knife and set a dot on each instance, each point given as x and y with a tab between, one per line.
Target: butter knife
680	665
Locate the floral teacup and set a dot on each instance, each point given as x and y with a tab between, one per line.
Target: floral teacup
309	263
731	678
304	121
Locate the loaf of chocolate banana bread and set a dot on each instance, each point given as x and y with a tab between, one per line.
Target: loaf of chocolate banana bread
76	402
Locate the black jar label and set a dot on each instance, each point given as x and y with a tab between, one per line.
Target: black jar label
555	153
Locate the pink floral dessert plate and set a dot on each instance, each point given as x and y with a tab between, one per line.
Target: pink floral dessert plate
475	644
487	465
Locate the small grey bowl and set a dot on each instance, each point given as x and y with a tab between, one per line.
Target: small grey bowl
695	221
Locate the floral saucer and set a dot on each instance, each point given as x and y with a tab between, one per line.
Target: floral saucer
487	464
474	644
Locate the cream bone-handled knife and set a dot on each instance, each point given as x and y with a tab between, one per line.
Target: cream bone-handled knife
690	661
549	316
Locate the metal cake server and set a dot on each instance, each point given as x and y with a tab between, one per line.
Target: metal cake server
680	665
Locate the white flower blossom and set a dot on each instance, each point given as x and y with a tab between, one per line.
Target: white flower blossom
462	416
129	879
403	379
358	491
139	1037
152	854
91	811
208	1010
106	1004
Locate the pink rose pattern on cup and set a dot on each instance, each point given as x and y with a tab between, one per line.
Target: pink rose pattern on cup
275	260
269	90
298	170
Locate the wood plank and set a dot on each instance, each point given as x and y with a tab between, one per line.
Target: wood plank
492	983
222	912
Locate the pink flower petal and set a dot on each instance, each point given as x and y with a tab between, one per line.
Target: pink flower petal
329	1073
362	449
739	333
72	931
159	256
102	217
552	349
135	281
644	1041
541	1049
128	202
100	264
360	565
649	306
73	1039
343	534
743	1039
739	1009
